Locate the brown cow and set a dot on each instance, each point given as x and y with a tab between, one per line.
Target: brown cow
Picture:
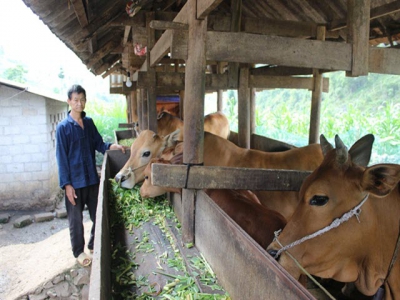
365	204
221	152
216	123
241	205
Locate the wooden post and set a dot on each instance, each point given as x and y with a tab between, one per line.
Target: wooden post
244	109
220	93
145	112
133	108
316	97
181	103
140	107
193	110
151	73
358	18
252	111
233	67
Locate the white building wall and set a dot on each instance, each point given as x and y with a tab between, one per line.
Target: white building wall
28	169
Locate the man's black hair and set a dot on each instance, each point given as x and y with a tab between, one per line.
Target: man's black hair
76	88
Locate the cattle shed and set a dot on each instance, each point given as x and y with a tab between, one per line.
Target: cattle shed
28	121
188	48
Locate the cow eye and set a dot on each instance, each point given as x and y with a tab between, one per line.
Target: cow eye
146	154
319	200
146	177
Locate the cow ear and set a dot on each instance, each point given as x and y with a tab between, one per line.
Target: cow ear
325	145
171	139
360	152
381	179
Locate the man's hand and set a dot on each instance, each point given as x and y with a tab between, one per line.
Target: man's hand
70	192
118	147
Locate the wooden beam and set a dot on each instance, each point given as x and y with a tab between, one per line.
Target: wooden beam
384	61
163	44
112	70
176	81
358	35
106	49
377	12
276	51
281	71
151	88
279	27
164	25
127	31
204	7
207	177
285	82
80	12
80	38
236	19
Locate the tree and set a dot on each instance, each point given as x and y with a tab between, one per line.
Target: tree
16	74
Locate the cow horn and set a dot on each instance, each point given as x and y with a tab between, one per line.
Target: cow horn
325	145
341	151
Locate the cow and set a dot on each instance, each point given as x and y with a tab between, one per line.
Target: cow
364	203
221	152
242	206
216	123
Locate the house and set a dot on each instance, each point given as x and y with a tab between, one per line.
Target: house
28	167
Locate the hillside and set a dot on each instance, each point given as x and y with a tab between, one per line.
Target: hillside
352	108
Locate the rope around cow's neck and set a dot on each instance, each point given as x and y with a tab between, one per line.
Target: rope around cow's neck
335	223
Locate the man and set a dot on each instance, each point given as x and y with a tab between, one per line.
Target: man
77	140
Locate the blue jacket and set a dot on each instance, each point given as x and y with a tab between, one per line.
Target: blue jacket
75	152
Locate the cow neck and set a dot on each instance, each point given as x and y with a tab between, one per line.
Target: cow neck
335	223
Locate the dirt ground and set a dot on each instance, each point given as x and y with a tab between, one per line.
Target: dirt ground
32	255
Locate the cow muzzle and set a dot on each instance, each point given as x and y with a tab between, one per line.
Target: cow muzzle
125	178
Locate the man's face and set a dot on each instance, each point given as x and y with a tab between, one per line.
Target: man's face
77	102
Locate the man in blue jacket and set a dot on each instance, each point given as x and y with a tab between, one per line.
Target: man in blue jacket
77	140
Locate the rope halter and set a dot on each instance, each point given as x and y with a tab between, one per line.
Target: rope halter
335	223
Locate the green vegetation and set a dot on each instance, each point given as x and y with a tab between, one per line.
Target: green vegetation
131	211
352	108
16	73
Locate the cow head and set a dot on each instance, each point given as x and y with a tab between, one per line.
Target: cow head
146	146
337	186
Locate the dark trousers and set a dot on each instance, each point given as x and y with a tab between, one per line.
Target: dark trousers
87	195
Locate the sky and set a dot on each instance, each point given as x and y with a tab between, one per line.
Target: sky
25	39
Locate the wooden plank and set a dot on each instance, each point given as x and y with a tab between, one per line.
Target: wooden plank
204	7
286	82
244	108
164	25
278	50
358	35
79	9
203	177
384	61
244	269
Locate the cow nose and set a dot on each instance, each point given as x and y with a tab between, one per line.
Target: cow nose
118	178
273	253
